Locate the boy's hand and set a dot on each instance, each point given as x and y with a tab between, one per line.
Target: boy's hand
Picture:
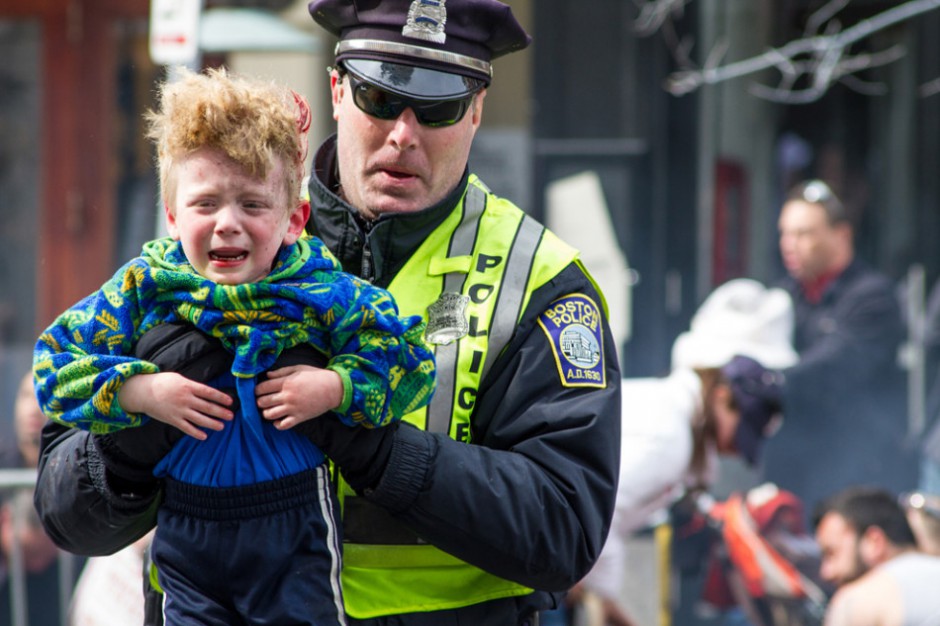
297	393
173	399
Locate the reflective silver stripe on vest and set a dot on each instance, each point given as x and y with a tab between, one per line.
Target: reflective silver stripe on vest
461	244
507	309
512	292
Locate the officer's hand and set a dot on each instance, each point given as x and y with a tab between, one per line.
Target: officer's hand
130	455
360	453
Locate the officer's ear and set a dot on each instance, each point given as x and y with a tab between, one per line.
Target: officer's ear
476	107
337	89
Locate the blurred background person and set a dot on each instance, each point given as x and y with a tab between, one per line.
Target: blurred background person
723	397
119	578
844	400
28	421
22	538
23	541
869	554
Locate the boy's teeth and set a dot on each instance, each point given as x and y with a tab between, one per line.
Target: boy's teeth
227	257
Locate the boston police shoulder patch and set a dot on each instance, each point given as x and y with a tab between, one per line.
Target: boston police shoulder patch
573	324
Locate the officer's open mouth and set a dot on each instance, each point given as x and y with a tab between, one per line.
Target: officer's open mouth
398	173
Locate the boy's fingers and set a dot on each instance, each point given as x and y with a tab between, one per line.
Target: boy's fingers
213	410
218	397
198	422
273	413
286	423
211	424
192	431
281	372
266	387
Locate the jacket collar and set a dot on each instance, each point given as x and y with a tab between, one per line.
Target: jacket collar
832	287
373	251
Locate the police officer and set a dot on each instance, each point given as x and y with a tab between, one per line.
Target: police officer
486	506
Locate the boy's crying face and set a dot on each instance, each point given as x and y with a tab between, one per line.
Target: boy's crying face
231	224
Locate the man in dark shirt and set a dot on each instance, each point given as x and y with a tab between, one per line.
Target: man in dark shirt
844	403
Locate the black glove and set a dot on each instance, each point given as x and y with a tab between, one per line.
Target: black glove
360	453
130	455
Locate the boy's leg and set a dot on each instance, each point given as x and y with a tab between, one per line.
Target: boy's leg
296	556
264	553
193	590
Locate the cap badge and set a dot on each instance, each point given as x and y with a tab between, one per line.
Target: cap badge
426	19
447	319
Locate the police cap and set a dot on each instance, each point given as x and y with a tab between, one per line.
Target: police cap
426	49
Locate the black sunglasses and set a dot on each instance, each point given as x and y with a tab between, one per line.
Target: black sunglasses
384	105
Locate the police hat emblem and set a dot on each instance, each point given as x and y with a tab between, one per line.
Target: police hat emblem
440	65
426	19
447	319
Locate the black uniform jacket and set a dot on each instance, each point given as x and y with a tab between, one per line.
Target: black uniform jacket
530	500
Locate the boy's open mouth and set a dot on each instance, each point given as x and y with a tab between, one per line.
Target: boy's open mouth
227	256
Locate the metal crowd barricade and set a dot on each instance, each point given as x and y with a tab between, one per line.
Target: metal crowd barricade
10	481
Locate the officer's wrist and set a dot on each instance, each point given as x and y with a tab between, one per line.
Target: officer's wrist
405	473
124	488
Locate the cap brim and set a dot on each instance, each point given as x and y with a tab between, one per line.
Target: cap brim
411	81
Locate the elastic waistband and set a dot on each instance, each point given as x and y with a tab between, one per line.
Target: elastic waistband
245	501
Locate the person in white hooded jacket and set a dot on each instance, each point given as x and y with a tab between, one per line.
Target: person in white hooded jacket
722	397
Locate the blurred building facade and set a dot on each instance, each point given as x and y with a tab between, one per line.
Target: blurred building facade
693	183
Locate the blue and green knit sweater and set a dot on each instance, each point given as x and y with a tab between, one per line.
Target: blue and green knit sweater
83	358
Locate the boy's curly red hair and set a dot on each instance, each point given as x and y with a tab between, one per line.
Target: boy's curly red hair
253	121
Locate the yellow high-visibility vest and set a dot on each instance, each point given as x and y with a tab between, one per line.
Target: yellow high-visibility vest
471	280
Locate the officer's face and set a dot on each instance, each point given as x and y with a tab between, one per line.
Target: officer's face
398	166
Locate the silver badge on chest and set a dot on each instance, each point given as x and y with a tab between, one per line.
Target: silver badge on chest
426	19
447	319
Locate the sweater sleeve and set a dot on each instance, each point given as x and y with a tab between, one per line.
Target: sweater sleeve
82	359
383	355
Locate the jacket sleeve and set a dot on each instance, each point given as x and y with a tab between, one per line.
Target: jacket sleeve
94	498
531	498
853	341
83	358
81	512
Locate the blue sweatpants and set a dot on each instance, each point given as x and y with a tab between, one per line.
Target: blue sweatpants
268	553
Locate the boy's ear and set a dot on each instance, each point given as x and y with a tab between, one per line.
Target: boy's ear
297	221
170	217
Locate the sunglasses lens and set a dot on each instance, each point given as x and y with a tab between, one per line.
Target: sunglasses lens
383	105
376	102
441	113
